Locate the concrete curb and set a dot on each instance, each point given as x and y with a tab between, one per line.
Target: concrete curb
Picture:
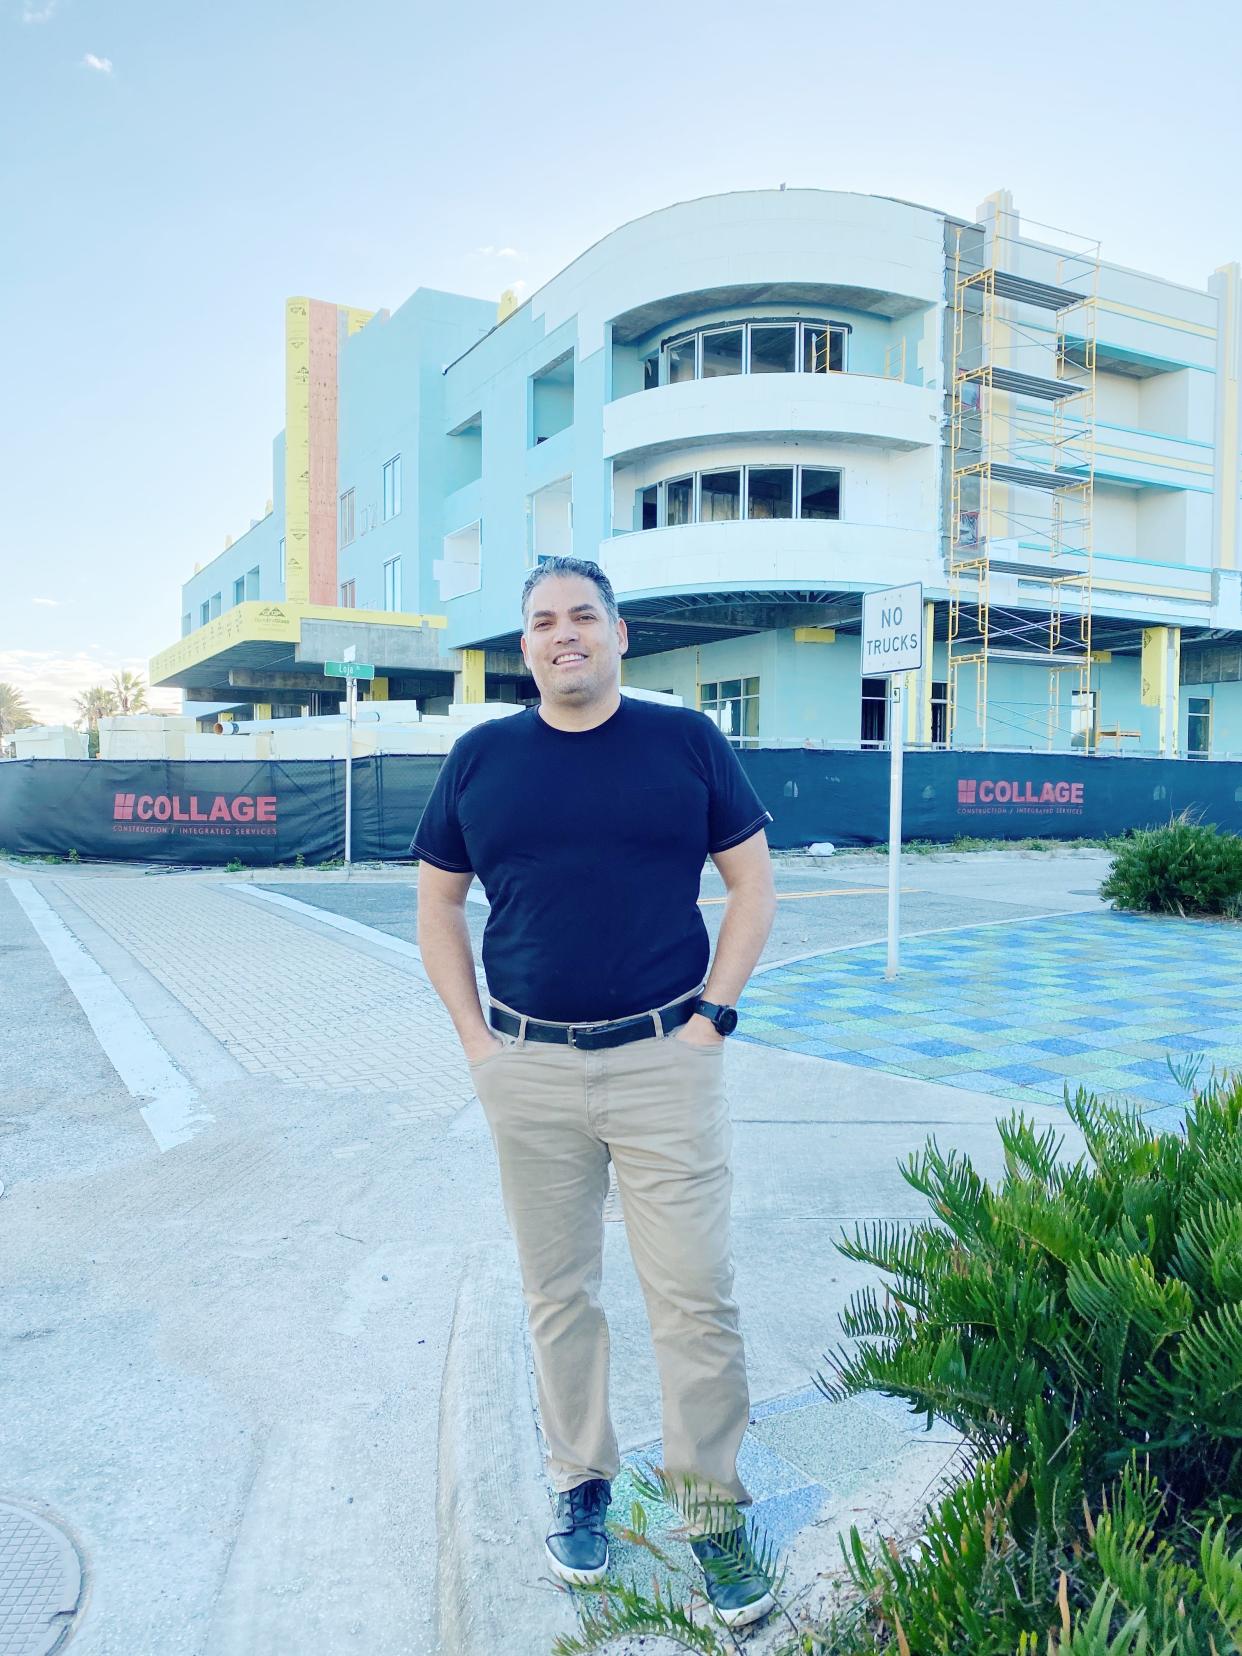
491	1494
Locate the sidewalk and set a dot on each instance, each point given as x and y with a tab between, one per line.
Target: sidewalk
308	1311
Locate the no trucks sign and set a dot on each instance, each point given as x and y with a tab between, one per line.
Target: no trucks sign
892	631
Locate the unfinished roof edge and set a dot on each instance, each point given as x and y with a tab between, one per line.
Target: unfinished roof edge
690	201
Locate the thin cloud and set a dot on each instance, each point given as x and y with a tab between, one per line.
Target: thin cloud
101	65
51	681
498	252
38	14
49	603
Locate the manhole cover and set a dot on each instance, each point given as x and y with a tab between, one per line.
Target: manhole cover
40	1583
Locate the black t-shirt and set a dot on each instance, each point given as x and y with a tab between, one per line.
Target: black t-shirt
590	845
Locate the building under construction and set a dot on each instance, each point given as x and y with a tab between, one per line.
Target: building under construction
752	409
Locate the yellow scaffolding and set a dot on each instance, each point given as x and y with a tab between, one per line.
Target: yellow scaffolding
1022	442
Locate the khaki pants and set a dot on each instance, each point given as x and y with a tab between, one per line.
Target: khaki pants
657	1108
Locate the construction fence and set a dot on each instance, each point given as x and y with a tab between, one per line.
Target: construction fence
269	813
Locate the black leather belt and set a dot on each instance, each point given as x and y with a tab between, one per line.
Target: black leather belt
591	1037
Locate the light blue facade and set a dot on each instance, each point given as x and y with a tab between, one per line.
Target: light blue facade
577	420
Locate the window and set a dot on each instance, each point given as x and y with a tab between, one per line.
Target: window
348	590
392	487
282	560
681	360
679	501
733	706
940	713
874	711
460	569
769	491
550	515
187	625
239	590
773	350
1082	718
552	399
1198	727
392	584
347	518
823	350
215	605
720	496
722	353
204	612
768	347
252	583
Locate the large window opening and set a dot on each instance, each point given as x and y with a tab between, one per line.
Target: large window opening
552	399
347	518
874	726
769	491
772	347
392	584
940	713
460	569
742	491
733	707
392	487
722	353
551	521
720	496
465	453
1198	727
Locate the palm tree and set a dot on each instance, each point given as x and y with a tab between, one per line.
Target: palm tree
97	703
14	713
130	693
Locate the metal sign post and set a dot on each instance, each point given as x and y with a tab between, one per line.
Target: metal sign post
351	671
891	646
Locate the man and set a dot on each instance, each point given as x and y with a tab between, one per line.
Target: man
588	820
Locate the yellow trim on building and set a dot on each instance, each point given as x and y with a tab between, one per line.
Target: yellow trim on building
257	622
1107	584
815	635
355	319
1158	317
379	688
1164	461
297	450
472	676
1228	391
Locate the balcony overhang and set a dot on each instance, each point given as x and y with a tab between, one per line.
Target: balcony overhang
675	309
259	646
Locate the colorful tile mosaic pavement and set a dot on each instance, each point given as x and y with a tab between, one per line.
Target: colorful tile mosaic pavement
1105	1001
798	1453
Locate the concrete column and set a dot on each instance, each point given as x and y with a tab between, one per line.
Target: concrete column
1161	683
468	681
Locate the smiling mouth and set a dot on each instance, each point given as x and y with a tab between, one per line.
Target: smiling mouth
570	659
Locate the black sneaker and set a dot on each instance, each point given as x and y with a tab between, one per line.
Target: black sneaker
578	1547
737	1587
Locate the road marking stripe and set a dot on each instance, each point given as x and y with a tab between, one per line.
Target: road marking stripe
340	922
171	1108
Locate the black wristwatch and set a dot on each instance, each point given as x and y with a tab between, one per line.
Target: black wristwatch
723	1019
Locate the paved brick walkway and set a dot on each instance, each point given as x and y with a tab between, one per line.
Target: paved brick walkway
286	1003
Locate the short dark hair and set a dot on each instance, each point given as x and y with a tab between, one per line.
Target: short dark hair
571	566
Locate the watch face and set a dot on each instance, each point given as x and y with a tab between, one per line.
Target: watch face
726	1020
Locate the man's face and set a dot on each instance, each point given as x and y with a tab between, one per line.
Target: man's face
571	647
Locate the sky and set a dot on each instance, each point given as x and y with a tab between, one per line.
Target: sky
170	173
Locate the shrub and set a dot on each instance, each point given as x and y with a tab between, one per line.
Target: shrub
1081	1325
1183	868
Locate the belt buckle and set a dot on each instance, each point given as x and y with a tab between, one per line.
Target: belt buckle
569	1035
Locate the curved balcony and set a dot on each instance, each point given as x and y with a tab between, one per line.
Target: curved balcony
840	408
784	553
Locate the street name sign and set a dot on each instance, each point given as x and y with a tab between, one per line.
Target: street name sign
892	631
349	669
